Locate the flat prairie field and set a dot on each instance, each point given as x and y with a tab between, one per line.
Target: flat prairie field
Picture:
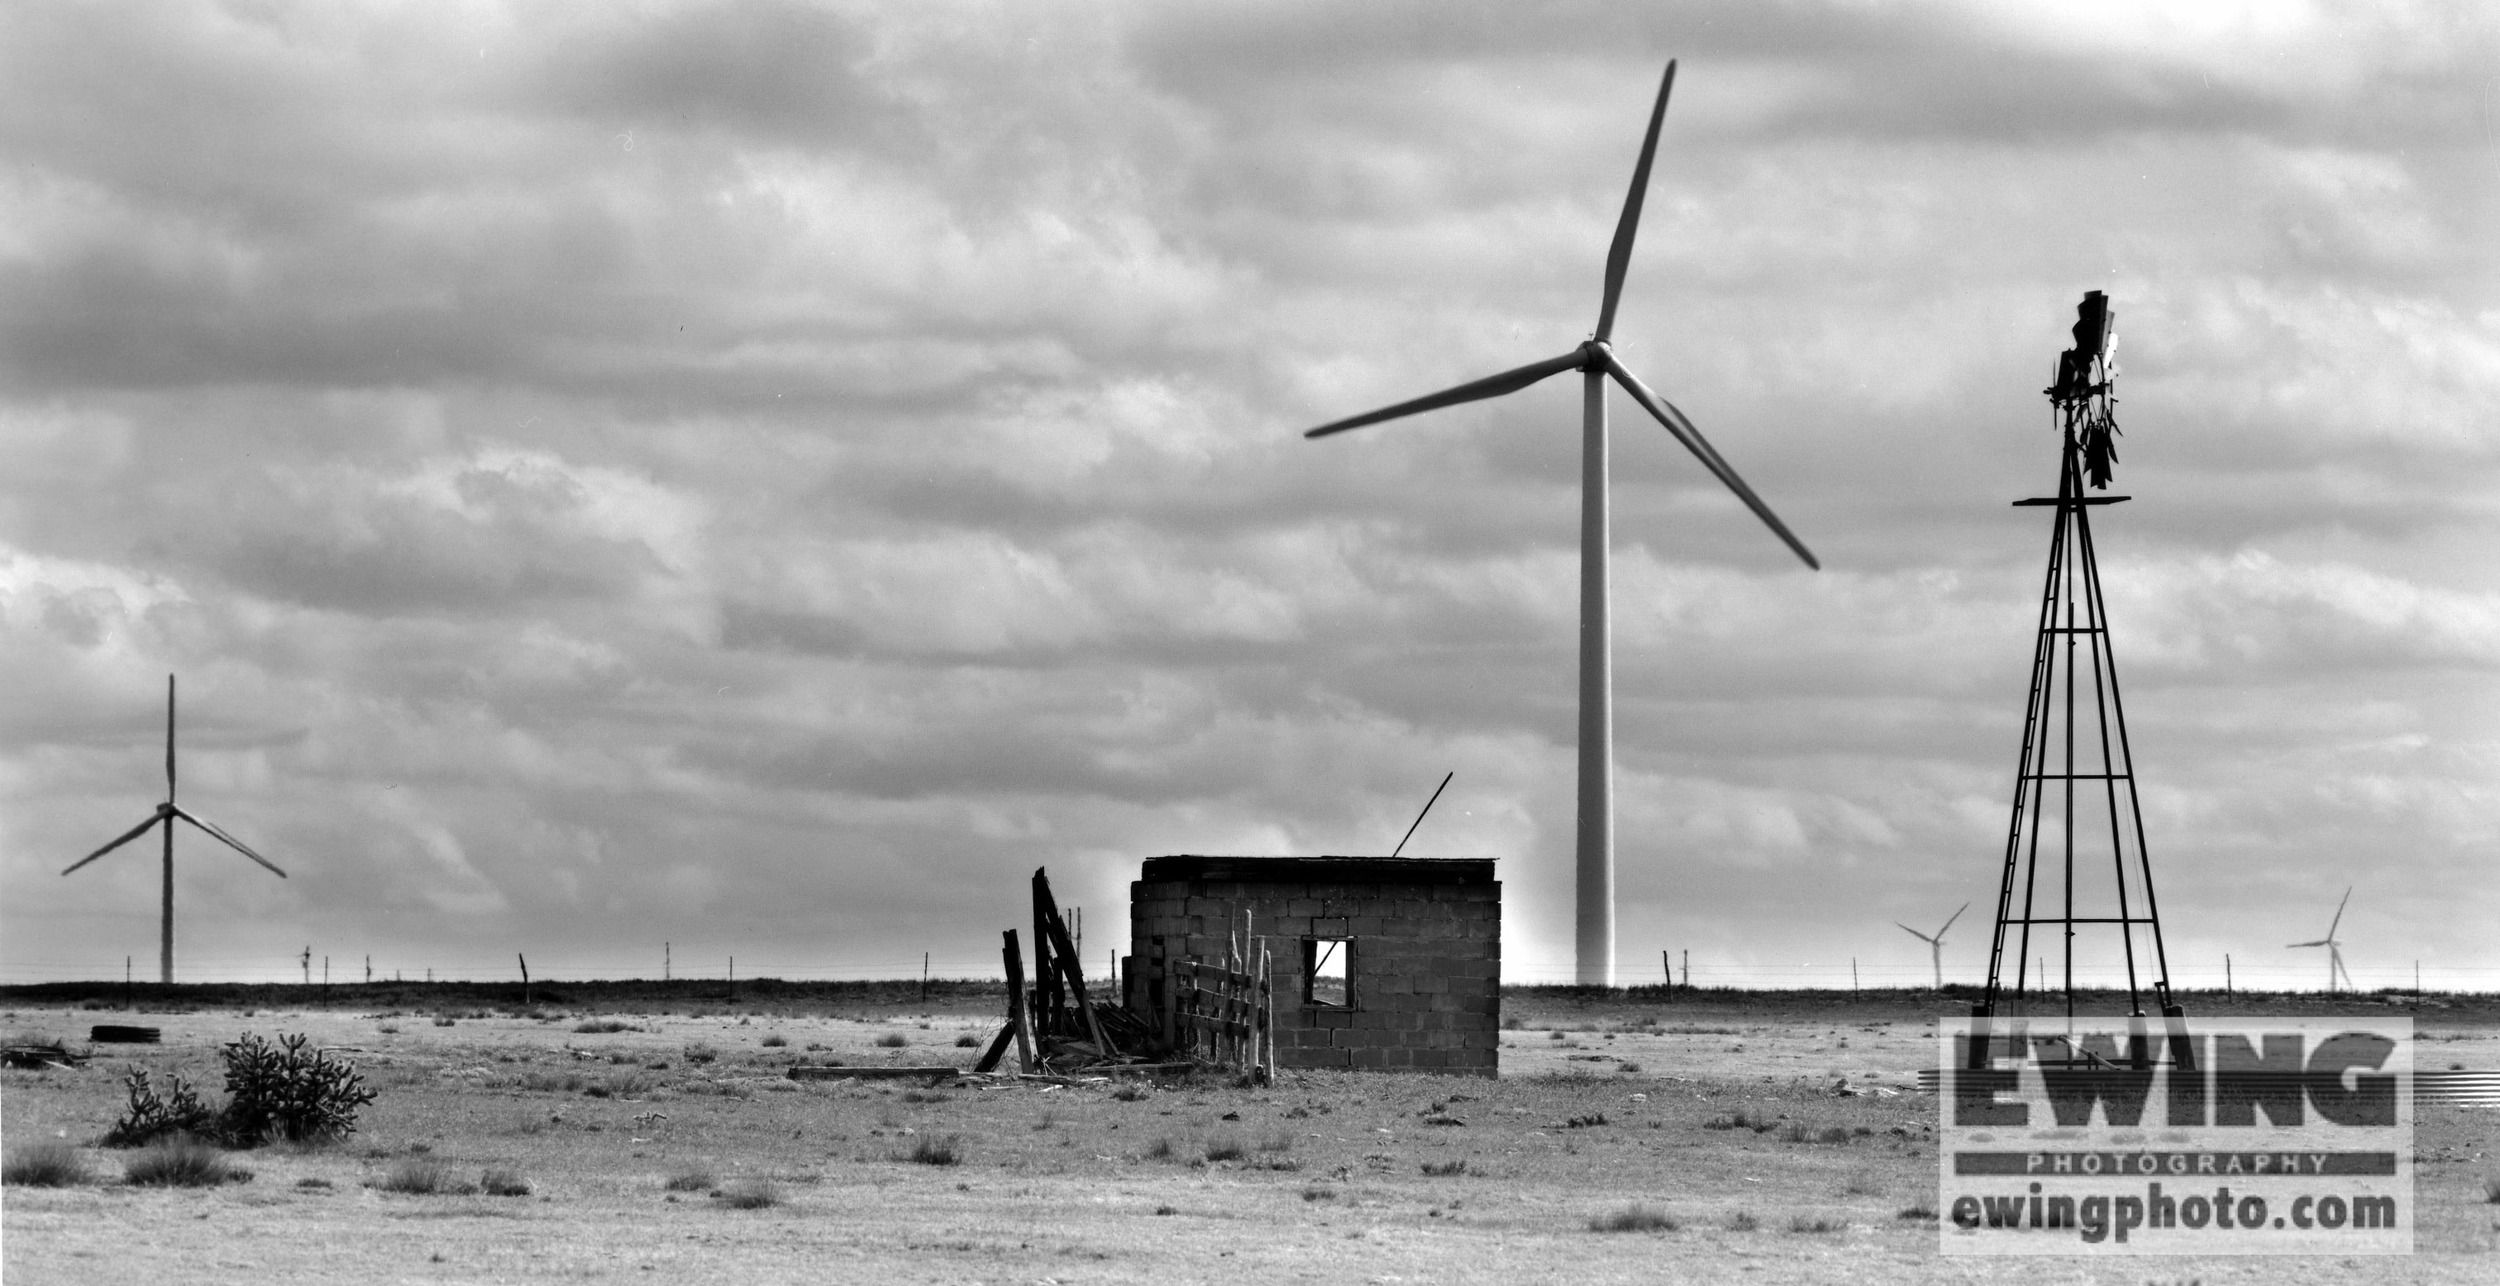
1627	1140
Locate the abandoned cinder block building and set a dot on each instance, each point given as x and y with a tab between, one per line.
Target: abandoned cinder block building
1378	962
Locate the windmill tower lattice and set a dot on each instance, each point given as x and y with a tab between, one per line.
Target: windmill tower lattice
2074	790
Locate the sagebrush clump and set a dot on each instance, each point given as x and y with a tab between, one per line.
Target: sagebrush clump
275	1093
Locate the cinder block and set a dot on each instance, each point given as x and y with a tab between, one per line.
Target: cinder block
1328	927
1332	1018
1370	1057
1315	1058
1305	907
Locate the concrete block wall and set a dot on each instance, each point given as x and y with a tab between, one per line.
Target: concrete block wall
1427	953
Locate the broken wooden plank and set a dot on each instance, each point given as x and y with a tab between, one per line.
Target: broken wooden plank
1018	1016
996	1051
1063	951
869	1073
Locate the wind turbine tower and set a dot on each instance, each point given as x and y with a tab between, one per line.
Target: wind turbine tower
2334	948
1594	936
1935	944
166	813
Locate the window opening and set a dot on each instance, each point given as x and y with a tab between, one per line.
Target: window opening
1327	972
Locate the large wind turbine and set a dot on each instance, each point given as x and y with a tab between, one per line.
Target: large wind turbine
1595	360
1935	945
166	813
2334	949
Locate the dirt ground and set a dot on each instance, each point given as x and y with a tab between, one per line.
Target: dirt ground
1327	1177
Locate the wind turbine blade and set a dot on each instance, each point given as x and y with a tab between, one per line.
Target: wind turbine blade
169	738
2319	943
1476	391
1914	933
134	833
1693	441
1619	255
230	842
2339	912
1949	923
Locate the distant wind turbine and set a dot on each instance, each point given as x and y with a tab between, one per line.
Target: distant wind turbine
166	813
2334	949
1935	945
1594	938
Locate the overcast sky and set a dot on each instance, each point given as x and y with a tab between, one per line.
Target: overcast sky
764	478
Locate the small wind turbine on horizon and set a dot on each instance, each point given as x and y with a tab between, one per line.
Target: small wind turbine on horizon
1935	945
166	813
1594	935
2334	948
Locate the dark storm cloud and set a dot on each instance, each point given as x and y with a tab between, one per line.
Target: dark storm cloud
770	475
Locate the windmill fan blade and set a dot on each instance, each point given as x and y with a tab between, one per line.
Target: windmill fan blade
169	738
2339	913
1619	255
1949	923
134	833
1476	391
230	842
2319	943
1912	932
1693	441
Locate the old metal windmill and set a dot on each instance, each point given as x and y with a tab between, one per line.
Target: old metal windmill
166	813
2074	785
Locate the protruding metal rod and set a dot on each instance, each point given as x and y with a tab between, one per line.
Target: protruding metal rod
1594	936
1419	817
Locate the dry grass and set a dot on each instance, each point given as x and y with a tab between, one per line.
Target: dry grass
748	1194
500	1181
1817	1224
1635	1218
893	1040
181	1162
602	1026
1516	1192
45	1163
423	1176
935	1150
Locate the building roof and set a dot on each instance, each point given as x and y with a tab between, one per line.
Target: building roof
1320	870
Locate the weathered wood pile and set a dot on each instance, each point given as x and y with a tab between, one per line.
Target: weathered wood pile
33	1055
1054	1025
